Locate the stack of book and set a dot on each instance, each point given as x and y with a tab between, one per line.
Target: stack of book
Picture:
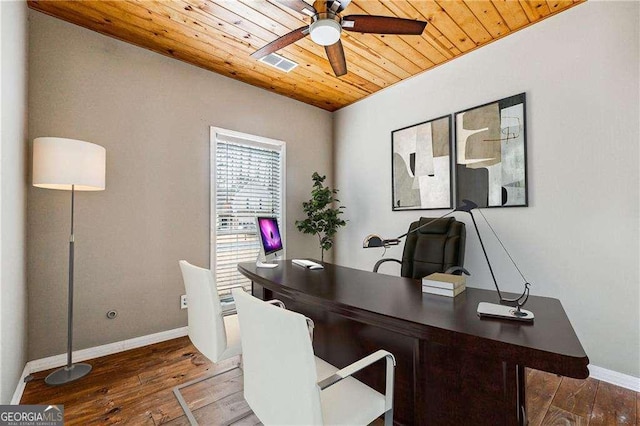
444	284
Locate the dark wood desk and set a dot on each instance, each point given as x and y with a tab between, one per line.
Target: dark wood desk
453	368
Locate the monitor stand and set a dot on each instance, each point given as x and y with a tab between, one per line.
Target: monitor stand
266	263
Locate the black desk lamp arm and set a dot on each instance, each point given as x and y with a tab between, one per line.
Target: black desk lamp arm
516	302
374	240
495	283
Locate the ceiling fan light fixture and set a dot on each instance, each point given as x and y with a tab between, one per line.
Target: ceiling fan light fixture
325	31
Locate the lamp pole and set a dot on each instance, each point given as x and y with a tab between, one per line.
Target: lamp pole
71	371
70	302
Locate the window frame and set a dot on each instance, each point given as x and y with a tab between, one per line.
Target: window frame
252	141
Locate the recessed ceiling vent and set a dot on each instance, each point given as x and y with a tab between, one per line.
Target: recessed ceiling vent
277	61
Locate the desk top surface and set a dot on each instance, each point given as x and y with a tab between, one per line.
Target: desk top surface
400	304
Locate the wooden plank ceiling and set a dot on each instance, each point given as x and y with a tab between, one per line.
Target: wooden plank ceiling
219	35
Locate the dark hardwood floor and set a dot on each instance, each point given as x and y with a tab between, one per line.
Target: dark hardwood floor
136	387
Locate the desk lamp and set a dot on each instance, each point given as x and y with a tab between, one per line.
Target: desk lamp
374	240
71	165
508	308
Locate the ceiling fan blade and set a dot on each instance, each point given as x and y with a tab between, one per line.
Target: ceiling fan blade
281	42
299	6
382	25
335	53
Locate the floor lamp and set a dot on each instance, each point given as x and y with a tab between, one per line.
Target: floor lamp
70	165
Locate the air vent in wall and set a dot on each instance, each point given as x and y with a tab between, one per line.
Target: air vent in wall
277	61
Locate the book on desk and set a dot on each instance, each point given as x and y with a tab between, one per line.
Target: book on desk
444	284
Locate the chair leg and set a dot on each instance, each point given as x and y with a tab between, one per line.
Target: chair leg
185	407
388	418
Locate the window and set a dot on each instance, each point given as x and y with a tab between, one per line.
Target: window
247	180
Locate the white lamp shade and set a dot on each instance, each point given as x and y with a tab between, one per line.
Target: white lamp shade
59	163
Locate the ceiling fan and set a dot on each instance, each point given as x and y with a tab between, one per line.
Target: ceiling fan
327	24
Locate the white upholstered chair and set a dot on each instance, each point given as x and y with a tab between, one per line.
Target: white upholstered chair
216	336
285	384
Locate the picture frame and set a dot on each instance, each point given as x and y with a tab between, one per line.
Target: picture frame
421	166
491	153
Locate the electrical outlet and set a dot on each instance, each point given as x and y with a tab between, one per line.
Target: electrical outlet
183	301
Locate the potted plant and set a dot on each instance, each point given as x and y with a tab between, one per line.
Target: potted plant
323	214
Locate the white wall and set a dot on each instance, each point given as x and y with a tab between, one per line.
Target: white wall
13	299
152	114
578	240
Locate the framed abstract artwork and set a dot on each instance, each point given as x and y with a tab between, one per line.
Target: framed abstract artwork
421	166
491	154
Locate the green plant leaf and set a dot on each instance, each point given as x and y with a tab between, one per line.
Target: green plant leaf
322	212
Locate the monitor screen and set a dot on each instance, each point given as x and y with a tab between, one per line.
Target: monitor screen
269	234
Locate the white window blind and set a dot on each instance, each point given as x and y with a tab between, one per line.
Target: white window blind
247	181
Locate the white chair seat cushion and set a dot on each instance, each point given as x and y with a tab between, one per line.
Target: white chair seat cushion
232	329
348	402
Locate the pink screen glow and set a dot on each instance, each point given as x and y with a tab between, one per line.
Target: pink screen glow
270	234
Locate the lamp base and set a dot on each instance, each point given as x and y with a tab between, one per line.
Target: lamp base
67	374
492	310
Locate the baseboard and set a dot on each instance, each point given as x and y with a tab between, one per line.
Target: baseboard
91	353
17	395
609	376
150	339
615	378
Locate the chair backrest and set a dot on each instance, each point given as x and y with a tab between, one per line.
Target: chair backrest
206	324
434	248
280	380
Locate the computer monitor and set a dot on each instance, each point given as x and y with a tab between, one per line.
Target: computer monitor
269	237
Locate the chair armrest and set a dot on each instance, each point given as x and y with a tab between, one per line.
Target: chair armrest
381	261
353	368
359	365
455	269
234	311
310	326
278	303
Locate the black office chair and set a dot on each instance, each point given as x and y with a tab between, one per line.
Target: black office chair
438	247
